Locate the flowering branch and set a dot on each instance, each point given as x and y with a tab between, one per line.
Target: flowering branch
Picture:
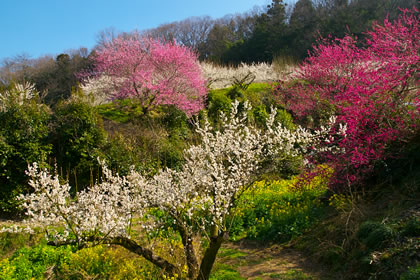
200	197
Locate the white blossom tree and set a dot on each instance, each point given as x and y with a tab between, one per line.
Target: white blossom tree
221	77
200	199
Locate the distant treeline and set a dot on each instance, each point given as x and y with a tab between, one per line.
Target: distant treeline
282	31
285	29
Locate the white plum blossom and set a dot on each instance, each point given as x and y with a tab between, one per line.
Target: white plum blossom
200	197
222	77
99	89
19	94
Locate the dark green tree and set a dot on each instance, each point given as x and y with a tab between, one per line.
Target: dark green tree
268	39
58	80
23	140
217	42
303	27
78	138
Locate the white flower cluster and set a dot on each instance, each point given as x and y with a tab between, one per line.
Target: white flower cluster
104	210
16	229
222	77
98	89
201	195
17	95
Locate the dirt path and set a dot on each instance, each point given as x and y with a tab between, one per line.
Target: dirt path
262	261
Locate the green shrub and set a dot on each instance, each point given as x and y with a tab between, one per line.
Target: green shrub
259	94
285	119
101	262
411	228
379	237
411	274
119	155
10	242
78	139
171	152
374	234
260	115
176	120
32	263
235	92
367	228
218	102
23	140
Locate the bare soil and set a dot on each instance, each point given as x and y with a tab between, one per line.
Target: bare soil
254	260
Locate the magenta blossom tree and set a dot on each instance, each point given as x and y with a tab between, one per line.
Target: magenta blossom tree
373	89
153	72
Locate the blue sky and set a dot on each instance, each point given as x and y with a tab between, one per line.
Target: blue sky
49	27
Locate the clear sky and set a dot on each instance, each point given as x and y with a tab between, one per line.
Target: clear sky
49	27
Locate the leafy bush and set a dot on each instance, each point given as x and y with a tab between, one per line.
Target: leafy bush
374	234
23	140
378	237
411	274
260	115
78	138
256	94
218	102
32	263
367	228
285	119
121	110
42	261
145	141
10	242
411	228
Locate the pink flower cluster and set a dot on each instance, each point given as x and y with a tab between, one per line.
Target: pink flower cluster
373	89
153	72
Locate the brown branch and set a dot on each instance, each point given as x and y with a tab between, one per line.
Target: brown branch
128	244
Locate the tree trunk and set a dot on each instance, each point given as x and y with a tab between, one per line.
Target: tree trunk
210	256
192	262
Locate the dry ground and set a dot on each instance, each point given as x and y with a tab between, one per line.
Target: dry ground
269	261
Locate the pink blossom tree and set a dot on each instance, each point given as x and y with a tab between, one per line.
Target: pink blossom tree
373	89
152	72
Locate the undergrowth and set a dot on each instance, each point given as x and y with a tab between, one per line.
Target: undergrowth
278	211
371	235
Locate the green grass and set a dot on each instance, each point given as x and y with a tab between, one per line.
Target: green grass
231	253
252	93
224	272
120	111
291	274
10	242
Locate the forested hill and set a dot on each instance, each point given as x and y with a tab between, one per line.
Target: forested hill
283	30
